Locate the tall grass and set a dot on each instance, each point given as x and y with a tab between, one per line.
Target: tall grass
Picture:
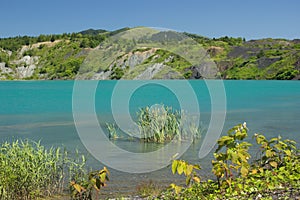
28	170
162	124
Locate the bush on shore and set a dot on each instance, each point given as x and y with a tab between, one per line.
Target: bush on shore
275	173
30	171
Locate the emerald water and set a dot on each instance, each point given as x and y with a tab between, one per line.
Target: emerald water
42	110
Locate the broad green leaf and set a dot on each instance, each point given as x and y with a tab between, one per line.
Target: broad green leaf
280	176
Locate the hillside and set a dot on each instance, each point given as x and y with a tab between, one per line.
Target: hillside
62	56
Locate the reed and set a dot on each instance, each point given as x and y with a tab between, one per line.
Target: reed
162	124
30	171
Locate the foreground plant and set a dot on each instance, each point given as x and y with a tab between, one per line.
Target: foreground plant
30	171
181	166
234	157
275	174
83	189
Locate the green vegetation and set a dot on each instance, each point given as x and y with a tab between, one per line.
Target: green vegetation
30	171
274	174
84	188
170	59
161	124
60	56
148	188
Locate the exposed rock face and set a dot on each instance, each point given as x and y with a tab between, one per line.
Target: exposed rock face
265	62
25	68
213	50
133	59
25	72
101	76
4	71
27	60
150	72
137	58
206	70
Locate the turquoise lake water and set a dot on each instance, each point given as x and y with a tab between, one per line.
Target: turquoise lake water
42	110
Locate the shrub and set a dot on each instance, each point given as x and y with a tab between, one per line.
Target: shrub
30	171
275	174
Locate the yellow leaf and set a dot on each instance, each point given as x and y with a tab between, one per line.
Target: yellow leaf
106	170
103	177
180	169
196	179
288	152
174	166
244	171
93	180
176	188
184	166
189	170
197	167
228	181
273	164
78	187
254	171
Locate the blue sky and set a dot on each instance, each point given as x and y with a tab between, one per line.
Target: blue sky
212	18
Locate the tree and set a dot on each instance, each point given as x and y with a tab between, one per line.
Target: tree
52	38
85	43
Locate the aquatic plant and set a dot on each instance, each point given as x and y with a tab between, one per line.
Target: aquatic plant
112	131
162	124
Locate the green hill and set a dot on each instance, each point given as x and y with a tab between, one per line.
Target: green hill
62	57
